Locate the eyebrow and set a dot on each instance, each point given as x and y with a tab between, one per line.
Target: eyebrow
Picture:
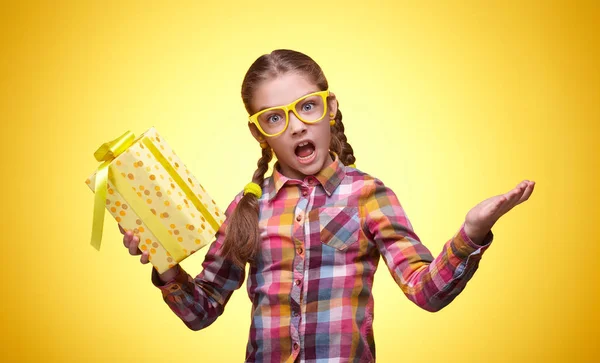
265	107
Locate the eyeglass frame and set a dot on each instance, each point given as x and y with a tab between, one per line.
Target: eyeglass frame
253	119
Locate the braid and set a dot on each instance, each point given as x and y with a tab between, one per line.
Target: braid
242	240
339	143
263	166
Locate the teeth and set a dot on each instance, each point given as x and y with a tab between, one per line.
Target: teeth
303	143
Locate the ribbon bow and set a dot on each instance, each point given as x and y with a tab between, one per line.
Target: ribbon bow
110	150
106	153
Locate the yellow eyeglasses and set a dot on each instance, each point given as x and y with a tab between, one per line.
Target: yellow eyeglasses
309	109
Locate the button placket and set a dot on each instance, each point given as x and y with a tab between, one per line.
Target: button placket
299	233
299	217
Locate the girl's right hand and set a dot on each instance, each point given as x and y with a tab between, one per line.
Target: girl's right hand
131	243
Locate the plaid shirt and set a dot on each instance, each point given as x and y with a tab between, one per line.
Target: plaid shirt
311	285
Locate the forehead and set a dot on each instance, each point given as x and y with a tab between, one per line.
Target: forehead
282	90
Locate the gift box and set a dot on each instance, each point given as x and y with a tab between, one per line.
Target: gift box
147	189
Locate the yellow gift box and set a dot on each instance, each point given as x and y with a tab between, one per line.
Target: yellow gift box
148	190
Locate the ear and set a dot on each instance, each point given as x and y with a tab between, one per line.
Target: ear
256	133
332	104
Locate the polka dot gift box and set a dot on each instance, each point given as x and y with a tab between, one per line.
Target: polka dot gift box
148	190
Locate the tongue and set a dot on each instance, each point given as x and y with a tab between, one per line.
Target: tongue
305	151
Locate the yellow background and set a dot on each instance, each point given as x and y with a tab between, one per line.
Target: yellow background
447	103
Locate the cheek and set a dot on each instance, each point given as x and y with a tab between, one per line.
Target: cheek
279	146
324	134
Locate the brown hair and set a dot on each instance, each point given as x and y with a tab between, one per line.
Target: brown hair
242	240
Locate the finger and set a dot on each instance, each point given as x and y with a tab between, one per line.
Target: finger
144	258
127	238
527	192
522	188
516	192
133	246
496	208
492	203
498	204
513	196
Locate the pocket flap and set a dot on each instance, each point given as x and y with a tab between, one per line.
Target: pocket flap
339	226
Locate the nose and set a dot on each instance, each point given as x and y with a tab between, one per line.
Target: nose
295	125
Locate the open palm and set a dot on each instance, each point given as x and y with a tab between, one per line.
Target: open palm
483	216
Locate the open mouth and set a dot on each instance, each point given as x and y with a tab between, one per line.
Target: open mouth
305	151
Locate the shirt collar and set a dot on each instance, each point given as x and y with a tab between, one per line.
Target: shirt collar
329	177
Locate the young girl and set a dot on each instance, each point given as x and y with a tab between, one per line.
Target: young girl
312	232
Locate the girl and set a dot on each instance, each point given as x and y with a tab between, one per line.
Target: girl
313	231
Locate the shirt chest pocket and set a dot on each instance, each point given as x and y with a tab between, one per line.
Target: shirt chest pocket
339	226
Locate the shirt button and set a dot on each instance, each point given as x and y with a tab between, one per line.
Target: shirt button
300	250
296	346
299	218
298	282
295	313
304	193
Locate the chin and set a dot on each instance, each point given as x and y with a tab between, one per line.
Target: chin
319	163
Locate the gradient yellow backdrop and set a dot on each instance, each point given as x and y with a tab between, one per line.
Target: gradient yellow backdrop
447	103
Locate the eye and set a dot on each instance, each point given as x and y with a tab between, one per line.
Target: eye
274	118
310	105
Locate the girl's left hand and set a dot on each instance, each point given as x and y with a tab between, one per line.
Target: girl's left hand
483	216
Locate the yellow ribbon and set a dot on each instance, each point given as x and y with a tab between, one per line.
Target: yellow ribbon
110	150
182	184
107	152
